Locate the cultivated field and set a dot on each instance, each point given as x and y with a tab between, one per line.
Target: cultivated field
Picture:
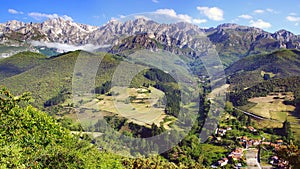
142	106
272	106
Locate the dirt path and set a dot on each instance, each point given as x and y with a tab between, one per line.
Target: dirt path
94	134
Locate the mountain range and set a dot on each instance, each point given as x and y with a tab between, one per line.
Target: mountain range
231	41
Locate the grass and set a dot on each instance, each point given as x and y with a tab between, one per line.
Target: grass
19	63
270	73
10	49
217	91
272	106
295	125
45	80
140	109
263	124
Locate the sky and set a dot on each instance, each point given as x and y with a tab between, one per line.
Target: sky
270	15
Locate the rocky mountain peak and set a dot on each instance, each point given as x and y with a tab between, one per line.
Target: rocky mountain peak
228	26
284	35
13	25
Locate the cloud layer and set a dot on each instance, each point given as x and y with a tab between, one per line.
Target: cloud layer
213	13
66	47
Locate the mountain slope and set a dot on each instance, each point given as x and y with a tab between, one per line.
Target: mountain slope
48	79
255	69
234	41
19	63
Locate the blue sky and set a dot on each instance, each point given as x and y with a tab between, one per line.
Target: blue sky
269	15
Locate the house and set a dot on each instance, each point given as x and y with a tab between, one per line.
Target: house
252	129
223	162
238	165
228	128
274	160
266	143
282	164
216	132
237	154
256	142
220	163
244	138
222	132
279	142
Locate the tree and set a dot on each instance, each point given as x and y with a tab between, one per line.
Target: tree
287	130
291	154
31	139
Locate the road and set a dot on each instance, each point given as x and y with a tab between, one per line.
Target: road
260	117
251	114
251	159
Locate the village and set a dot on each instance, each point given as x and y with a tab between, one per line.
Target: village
247	152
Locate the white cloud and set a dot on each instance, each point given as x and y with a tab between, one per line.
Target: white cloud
293	14
40	16
172	13
13	11
199	21
245	16
155	1
169	12
180	17
260	24
259	11
269	10
293	18
213	13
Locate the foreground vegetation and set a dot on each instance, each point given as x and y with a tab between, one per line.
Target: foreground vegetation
31	139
